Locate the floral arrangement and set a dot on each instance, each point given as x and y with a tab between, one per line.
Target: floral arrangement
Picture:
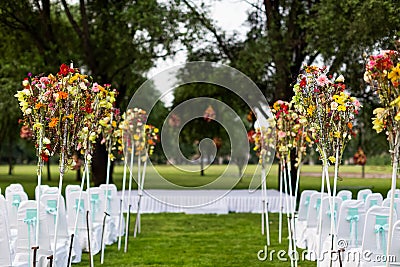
290	133
327	109
264	142
61	111
110	132
382	72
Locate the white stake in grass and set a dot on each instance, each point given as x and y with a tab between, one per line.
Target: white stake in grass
129	196
122	200
106	211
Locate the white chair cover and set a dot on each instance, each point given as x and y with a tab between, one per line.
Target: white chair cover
312	224
325	238
363	193
350	230
13	188
26	238
49	201
396	193
73	210
375	234
43	188
374	199
345	194
301	220
395	246
112	208
5	248
386	203
14	199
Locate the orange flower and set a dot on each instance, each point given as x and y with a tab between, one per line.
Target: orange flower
39	105
350	125
62	95
53	123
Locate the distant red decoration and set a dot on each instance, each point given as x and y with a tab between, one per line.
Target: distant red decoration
359	157
174	120
218	142
209	114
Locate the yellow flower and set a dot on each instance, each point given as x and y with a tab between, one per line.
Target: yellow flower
394	74
395	102
332	159
310	110
377	125
341	108
336	134
397	118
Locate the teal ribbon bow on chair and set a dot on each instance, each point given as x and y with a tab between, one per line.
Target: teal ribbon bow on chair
52	208
16	201
30	220
94	200
381	227
353	219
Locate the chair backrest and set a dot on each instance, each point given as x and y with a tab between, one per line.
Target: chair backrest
74	209
304	204
395	247
351	222
14	199
345	194
376	230
363	193
326	215
71	188
386	203
313	210
374	199
97	199
27	221
42	188
396	193
111	197
13	188
5	252
49	201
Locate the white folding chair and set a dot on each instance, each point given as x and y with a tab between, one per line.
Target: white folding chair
301	220
312	225
14	199
396	193
345	194
350	230
80	210
71	188
5	248
395	246
375	235
386	203
363	193
374	199
26	237
49	201
112	208
42	189
13	188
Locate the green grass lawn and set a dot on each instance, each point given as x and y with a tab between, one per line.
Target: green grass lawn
201	240
197	240
26	175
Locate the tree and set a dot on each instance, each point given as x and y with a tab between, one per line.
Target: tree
113	41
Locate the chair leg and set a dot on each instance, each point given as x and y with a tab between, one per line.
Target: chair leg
34	255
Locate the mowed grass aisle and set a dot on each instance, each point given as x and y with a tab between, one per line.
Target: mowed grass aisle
197	240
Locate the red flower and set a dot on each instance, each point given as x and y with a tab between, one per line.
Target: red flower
64	70
303	82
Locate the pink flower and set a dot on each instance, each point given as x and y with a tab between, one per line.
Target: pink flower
281	134
95	88
322	80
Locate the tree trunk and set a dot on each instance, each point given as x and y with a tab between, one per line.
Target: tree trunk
99	165
10	165
201	165
48	171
